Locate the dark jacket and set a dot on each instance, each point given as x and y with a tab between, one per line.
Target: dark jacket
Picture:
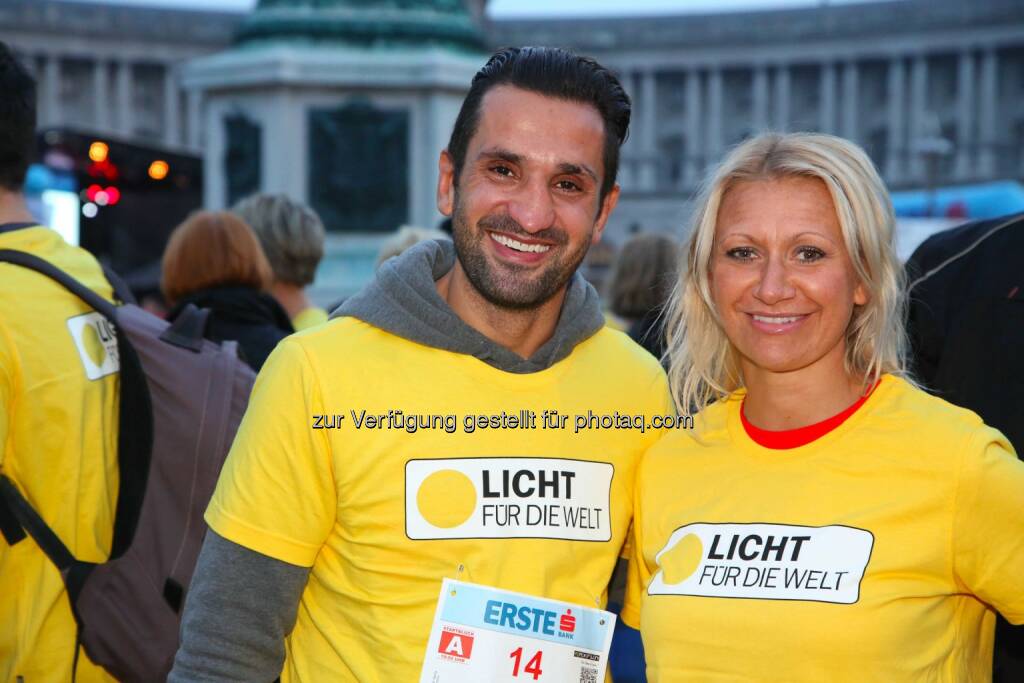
243	314
966	327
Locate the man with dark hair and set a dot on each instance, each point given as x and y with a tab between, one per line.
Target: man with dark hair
58	425
408	440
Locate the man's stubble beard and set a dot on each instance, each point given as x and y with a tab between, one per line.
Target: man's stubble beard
513	290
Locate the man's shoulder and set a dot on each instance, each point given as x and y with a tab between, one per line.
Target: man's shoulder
19	284
611	345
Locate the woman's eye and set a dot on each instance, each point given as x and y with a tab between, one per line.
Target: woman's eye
809	254
741	253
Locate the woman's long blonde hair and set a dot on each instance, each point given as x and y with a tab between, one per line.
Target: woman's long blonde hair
703	366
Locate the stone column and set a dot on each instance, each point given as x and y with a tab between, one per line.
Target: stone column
782	91
760	98
897	131
172	105
125	102
52	115
918	113
714	127
648	131
193	105
965	141
989	107
850	87
694	151
101	95
827	98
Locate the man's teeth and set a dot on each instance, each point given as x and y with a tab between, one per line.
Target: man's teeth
519	246
776	321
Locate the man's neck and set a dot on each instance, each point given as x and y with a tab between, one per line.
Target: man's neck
13	208
292	298
522	332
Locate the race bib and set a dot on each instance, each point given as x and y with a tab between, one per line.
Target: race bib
483	634
508	498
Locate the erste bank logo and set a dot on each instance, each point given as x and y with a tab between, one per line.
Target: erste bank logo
508	498
764	561
527	619
96	341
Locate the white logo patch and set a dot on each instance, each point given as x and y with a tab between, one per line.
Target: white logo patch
508	498
96	341
764	561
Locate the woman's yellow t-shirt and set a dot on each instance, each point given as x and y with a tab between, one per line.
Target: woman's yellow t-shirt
880	551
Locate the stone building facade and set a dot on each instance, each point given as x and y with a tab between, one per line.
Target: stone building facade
933	89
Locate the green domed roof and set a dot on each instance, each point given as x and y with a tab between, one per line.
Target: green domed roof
363	23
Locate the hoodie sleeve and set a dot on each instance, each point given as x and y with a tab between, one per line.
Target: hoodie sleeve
240	607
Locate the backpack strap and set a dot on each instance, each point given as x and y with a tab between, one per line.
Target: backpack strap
135	423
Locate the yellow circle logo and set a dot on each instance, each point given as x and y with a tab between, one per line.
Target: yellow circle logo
446	498
93	346
682	560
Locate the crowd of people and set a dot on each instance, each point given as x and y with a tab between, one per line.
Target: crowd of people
837	511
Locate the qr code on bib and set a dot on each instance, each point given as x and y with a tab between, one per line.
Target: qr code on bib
588	675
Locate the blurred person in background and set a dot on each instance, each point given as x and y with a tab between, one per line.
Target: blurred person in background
58	414
292	237
641	280
828	520
966	327
214	261
405	237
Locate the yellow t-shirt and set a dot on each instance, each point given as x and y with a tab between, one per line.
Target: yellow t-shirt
58	443
876	552
309	317
382	514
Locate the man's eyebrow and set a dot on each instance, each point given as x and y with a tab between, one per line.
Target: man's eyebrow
502	154
576	169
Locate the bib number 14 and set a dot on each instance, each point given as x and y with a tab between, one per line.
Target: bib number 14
532	666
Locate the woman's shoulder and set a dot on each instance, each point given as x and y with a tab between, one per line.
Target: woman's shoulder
931	423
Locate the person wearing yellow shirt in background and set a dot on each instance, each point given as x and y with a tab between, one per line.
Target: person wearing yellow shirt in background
58	414
362	475
292	237
826	520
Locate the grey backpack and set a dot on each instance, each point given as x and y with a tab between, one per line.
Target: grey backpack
181	399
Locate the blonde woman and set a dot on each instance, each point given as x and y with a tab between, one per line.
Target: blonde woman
826	520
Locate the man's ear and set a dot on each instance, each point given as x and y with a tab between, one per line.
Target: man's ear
607	206
446	183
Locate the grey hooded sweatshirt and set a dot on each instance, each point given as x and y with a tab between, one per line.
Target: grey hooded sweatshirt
242	604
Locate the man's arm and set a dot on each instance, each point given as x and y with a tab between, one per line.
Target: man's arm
239	609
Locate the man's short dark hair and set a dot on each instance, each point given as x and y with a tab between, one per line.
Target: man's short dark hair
553	72
17	120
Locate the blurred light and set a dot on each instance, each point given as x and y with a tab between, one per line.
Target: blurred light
98	151
158	169
102	169
113	195
89	210
101	198
92	191
61	213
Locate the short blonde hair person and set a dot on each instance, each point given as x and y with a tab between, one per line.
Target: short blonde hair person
703	364
291	234
405	237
